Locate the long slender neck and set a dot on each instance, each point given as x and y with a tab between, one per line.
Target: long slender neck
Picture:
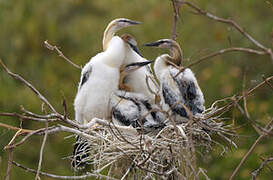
176	54
160	65
108	35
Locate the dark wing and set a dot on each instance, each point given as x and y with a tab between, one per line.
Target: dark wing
123	109
194	103
135	48
81	154
189	90
133	109
154	118
173	99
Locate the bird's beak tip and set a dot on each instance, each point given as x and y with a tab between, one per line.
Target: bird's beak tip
135	22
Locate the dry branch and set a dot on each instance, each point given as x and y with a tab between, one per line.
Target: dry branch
18	77
269	127
60	53
200	11
257	171
88	174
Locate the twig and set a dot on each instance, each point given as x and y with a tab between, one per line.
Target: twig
25	138
41	152
220	52
257	171
175	17
60	53
88	174
267	82
248	93
198	10
9	164
41	119
18	77
23	131
13	139
127	172
269	127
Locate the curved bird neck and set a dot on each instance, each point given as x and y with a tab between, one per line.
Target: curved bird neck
161	64
109	33
176	54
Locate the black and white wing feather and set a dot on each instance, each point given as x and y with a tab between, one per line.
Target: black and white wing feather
191	93
134	109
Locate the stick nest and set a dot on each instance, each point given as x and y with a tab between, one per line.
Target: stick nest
163	152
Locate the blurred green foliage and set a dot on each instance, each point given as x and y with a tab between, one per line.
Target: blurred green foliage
77	26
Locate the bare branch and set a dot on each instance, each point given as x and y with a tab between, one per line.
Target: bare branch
198	10
23	131
41	153
9	164
269	127
175	18
257	171
88	174
41	118
18	77
221	52
60	53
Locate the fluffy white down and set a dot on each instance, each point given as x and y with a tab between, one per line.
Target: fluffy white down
137	79
92	98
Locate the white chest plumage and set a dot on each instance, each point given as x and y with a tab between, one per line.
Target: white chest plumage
137	79
93	95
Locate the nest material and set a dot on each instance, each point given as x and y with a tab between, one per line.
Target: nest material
163	152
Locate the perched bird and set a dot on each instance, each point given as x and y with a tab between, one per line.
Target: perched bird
176	91
99	79
141	80
100	76
130	108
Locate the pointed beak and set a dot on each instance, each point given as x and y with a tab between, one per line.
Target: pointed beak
133	22
155	44
129	22
135	66
135	48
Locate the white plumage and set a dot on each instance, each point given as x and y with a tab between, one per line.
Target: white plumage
138	79
102	78
99	79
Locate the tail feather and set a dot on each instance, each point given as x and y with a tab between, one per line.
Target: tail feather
81	154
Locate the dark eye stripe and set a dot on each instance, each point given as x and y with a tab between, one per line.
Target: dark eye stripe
135	48
124	20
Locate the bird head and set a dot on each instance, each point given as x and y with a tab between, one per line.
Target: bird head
131	41
162	43
123	22
173	46
114	26
134	66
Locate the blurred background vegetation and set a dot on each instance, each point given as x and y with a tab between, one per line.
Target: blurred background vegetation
77	26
